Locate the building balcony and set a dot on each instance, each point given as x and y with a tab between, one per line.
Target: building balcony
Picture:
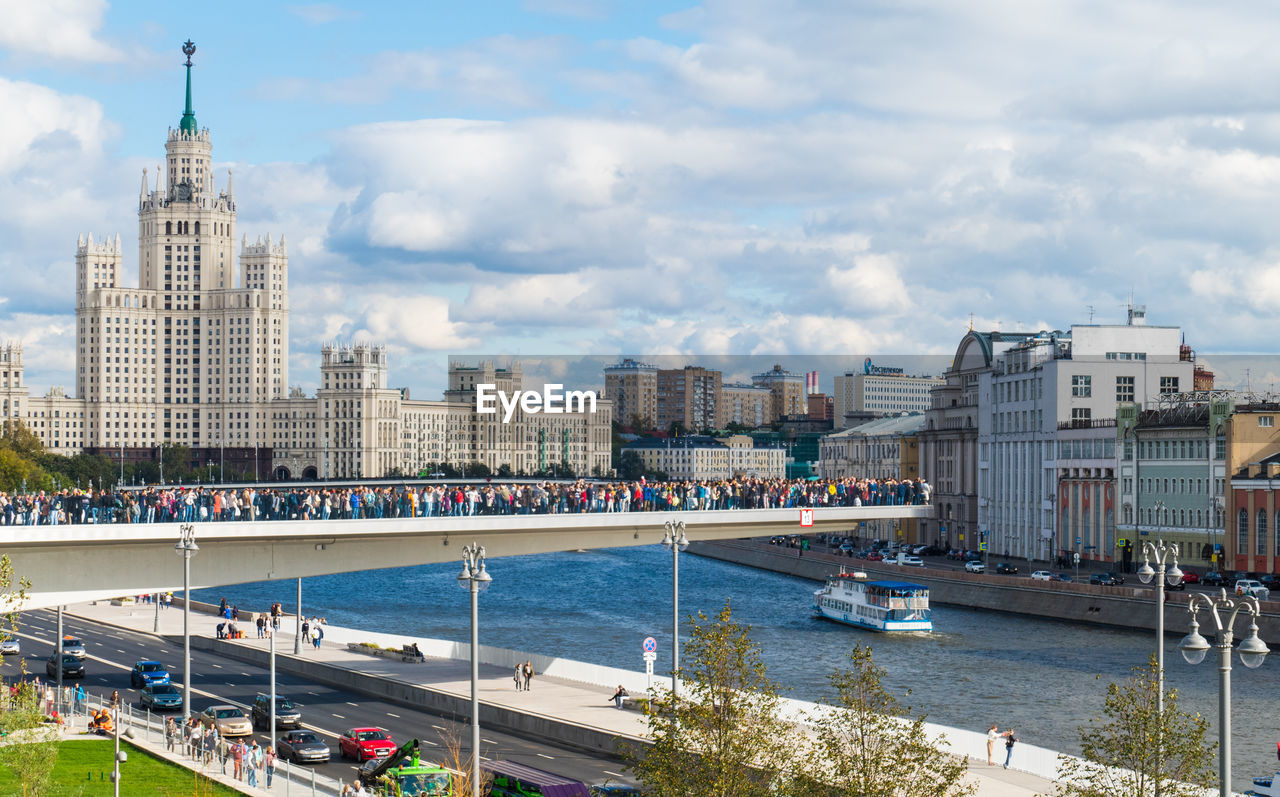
1092	423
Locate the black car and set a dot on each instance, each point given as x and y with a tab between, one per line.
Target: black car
1270	580
1004	568
72	666
1213	578
302	747
955	553
930	550
1106	579
287	714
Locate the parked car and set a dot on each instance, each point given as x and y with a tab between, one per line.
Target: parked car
874	556
1105	579
1269	580
1252	586
72	666
1061	577
303	747
1042	575
365	743
287	713
146	673
955	553
968	555
229	720
1006	569
918	550
1213	578
846	547
1190	576
931	550
911	561
161	697
615	791
10	647
974	566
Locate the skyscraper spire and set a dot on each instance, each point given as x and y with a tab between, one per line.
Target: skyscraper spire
188	124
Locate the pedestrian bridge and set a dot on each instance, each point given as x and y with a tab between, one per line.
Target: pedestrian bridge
75	563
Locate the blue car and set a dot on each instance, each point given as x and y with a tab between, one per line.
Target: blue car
148	673
161	697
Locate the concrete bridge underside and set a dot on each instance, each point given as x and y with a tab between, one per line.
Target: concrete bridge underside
70	564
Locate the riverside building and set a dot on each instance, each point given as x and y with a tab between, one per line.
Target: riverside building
878	391
197	355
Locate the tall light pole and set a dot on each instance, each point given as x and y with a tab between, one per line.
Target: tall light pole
1159	551
271	635
475	579
297	624
675	540
186	548
1252	651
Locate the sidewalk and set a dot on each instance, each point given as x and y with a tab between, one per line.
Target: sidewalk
574	701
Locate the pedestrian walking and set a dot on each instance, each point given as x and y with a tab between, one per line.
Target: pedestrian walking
1008	747
993	733
528	674
237	760
519	676
170	734
48	699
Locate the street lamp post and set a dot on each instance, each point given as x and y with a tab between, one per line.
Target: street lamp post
675	540
475	579
186	548
1252	651
1173	576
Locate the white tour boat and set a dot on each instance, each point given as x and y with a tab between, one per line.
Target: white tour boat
878	605
1268	786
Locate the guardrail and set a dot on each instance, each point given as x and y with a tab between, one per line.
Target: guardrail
146	729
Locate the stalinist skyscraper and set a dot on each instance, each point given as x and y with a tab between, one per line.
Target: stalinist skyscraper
196	352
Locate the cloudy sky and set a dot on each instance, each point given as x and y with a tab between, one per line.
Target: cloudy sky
737	177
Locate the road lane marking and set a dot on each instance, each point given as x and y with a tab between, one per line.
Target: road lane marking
543	755
219	666
314	694
487	741
339	716
613	774
353	705
437	727
428	741
389	714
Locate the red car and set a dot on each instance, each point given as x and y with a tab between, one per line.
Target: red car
1190	577
363	744
875	556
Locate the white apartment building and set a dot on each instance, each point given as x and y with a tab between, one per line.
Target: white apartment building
1043	386
880	390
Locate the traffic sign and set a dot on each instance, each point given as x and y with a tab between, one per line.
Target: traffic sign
982	546
806	517
650	644
1079	540
650	656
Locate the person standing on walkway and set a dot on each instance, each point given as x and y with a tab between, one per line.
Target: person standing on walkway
528	674
170	734
519	676
1008	747
317	634
80	698
306	630
252	763
237	760
269	765
993	733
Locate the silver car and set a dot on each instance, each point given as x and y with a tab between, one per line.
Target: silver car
73	646
10	647
229	720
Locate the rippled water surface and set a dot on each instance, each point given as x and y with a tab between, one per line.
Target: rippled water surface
1045	678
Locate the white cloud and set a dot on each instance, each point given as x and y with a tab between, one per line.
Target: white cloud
61	29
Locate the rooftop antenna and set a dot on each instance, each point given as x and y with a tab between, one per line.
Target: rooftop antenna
970	322
1090	314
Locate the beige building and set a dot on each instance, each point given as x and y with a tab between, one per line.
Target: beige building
885	448
633	388
745	404
197	355
708	458
786	390
689	396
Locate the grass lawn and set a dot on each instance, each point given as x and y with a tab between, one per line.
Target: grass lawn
84	768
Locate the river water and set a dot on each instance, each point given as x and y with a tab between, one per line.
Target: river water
1044	678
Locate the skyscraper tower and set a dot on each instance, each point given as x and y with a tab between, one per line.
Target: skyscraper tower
196	352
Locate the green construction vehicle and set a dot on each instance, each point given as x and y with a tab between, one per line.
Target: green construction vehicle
405	774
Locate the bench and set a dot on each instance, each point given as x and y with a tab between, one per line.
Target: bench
407	653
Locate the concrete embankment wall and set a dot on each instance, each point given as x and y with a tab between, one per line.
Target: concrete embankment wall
1121	607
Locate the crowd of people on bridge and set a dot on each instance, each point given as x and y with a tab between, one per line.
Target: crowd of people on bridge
189	504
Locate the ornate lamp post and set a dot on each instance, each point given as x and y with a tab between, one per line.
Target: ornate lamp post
675	540
476	579
1252	652
1160	552
186	548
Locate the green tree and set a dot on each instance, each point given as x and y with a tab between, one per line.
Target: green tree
504	471
177	463
722	737
31	748
478	470
16	471
864	744
16	437
1135	750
